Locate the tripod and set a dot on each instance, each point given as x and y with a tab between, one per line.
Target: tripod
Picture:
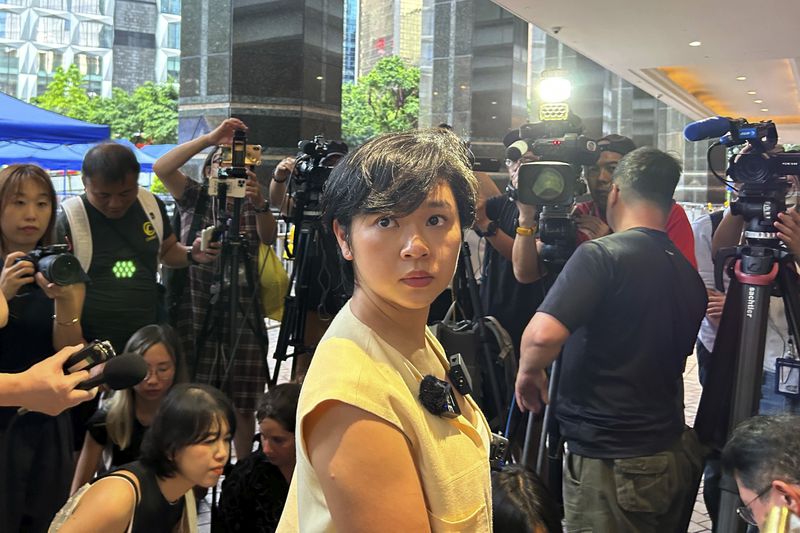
732	394
234	252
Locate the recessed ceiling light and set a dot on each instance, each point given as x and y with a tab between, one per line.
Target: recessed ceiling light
319	77
764	109
494	103
751	92
695	43
741	78
758	101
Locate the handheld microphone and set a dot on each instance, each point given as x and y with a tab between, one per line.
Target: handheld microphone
708	128
121	372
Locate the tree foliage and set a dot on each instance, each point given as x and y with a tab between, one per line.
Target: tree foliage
149	114
385	100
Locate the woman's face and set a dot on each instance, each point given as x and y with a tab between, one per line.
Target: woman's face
26	215
406	262
160	373
202	463
277	443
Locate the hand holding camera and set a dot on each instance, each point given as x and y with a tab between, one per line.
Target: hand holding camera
223	134
17	272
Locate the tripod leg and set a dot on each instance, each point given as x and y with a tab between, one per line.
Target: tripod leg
756	293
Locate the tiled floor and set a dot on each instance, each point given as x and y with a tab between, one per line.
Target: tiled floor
700	520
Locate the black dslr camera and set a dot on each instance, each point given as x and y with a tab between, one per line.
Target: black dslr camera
55	263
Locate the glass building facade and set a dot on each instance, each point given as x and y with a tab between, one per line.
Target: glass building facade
388	27
115	43
350	44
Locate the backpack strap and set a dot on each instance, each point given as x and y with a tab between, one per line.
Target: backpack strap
80	231
152	211
716	218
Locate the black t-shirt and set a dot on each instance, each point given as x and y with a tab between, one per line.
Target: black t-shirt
512	303
633	304
97	429
122	295
154	514
27	338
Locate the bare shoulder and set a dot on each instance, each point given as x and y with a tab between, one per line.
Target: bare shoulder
106	506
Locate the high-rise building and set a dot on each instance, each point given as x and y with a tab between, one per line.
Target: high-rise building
388	27
275	65
115	43
350	44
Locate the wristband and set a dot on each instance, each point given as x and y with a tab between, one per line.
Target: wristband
191	260
264	207
525	232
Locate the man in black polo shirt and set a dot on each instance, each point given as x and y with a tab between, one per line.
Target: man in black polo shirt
628	307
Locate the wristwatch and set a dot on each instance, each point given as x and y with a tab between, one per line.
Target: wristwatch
263	209
491	230
190	259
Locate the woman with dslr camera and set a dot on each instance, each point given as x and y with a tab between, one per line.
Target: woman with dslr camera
248	375
35	449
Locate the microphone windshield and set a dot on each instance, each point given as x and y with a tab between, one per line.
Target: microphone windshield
708	128
121	372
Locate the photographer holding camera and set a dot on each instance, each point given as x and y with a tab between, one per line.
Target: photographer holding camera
511	302
630	459
248	374
35	449
590	217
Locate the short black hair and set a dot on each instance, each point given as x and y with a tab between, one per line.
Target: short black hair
186	416
110	162
521	503
394	173
763	449
280	404
648	174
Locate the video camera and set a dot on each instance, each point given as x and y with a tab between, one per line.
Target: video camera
315	160
56	264
554	181
231	180
761	171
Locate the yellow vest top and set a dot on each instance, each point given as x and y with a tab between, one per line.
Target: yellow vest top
353	365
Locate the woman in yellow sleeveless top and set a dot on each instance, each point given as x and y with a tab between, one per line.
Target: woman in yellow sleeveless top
370	457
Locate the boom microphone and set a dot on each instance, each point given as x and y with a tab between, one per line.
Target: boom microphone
708	128
121	372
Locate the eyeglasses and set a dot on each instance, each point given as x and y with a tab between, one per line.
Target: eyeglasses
745	513
162	374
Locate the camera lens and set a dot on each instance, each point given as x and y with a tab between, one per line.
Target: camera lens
549	185
61	269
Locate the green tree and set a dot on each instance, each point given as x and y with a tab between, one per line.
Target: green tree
66	94
385	100
149	114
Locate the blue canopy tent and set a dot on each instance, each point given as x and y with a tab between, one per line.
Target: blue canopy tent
157	150
20	121
60	156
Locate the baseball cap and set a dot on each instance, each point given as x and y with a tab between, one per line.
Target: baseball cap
616	143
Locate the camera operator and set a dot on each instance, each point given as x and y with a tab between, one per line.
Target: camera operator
248	374
512	303
590	216
620	400
778	341
35	449
763	454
